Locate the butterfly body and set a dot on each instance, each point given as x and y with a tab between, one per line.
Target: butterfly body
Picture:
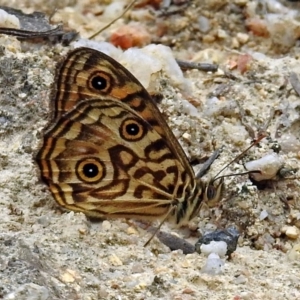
108	152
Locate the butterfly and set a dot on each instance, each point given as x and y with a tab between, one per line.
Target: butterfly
108	151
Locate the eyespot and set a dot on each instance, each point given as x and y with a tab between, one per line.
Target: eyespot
132	130
90	170
100	81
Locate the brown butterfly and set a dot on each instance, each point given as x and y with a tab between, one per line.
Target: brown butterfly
108	152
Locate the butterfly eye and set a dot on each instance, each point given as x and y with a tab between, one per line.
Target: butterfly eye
100	81
132	130
211	192
90	170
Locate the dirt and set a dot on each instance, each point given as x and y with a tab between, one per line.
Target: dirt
47	253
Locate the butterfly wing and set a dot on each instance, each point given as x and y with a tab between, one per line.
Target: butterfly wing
89	74
105	160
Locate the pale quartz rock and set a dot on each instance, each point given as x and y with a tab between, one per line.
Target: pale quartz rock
144	62
268	165
104	47
189	109
114	9
213	265
115	260
218	247
242	37
263	215
141	65
169	65
106	225
292	232
258	55
69	276
186	136
294	253
7	20
275	6
204	24
212	106
283	29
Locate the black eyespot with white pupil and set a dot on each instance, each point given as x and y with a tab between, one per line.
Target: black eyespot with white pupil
132	130
100	81
90	170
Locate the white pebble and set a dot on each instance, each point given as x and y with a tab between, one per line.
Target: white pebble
115	260
268	165
186	136
145	62
189	108
213	265
114	9
22	95
211	106
106	225
291	232
263	215
7	20
204	25
170	67
242	37
241	279
141	65
294	253
217	247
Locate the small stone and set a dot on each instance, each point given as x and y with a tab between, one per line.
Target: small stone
204	25
268	166
131	230
69	276
218	247
208	38
222	34
185	264
263	215
257	26
235	43
186	136
292	232
214	265
83	231
22	95
129	36
294	253
243	38
106	225
240	280
115	260
188	291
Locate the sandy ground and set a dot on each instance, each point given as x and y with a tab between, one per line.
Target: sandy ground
46	253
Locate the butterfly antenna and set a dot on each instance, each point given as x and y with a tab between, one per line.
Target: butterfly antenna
113	21
236	174
261	136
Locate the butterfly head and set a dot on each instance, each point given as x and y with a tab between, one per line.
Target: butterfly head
213	191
